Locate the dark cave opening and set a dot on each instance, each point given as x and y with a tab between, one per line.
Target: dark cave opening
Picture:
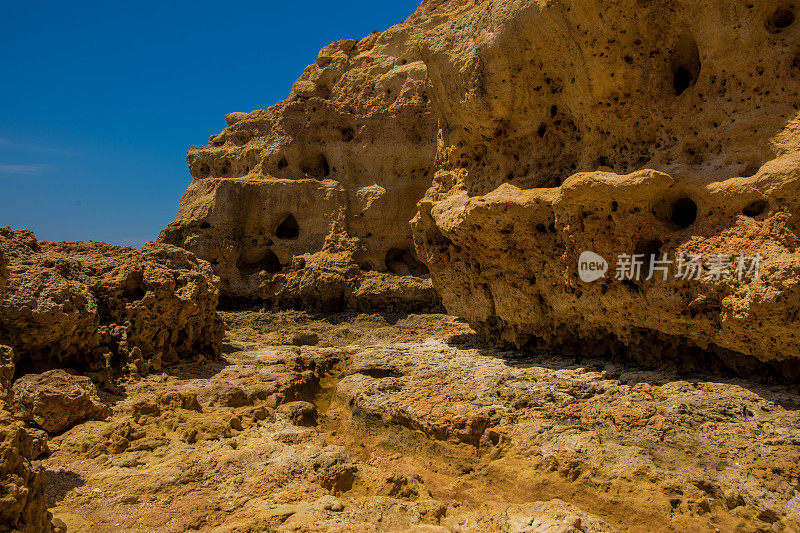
289	229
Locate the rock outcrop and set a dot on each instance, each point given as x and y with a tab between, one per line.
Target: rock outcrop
103	309
22	482
548	129
630	127
307	203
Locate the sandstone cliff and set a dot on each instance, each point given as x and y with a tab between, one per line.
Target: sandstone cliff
620	128
307	203
544	129
103	309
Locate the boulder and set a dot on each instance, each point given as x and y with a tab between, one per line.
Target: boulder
56	400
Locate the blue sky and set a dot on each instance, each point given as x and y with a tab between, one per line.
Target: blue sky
100	100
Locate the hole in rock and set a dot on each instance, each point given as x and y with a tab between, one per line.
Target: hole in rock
685	65
650	249
751	170
403	263
288	229
204	225
135	293
268	262
683	80
317	167
348	134
754	209
283	163
684	212
134	289
783	17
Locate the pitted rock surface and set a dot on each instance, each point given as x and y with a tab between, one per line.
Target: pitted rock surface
104	309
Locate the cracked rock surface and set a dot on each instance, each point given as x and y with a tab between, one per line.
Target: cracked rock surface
405	423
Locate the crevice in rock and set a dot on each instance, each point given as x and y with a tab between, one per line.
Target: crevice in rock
650	248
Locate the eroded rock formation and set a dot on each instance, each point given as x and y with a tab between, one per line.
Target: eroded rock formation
307	203
102	309
620	128
551	128
22	482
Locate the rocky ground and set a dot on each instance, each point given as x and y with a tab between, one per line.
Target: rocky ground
405	423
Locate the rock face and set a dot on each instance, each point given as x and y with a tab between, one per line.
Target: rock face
56	400
548	129
572	126
307	203
22	483
101	308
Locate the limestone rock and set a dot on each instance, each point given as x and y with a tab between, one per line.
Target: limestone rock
604	134
305	339
299	413
102	308
540	130
22	482
22	485
56	400
307	203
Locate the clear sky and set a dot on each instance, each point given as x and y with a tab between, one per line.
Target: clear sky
100	100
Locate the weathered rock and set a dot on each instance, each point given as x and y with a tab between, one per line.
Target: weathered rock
56	400
299	413
600	134
3	275
305	339
307	203
417	434
102	308
22	485
604	134
22	482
